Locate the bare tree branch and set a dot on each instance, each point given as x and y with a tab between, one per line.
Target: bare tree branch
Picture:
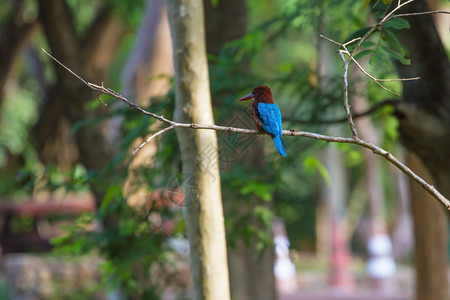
377	80
136	149
353	140
346	104
384	20
360	40
432	12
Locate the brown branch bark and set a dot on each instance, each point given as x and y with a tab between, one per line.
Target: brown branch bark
352	140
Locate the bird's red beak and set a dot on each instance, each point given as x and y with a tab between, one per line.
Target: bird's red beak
249	96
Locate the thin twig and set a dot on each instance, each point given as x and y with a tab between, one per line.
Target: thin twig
355	140
377	81
373	78
330	40
398	79
384	20
69	70
346	104
350	42
136	149
387	17
347	63
100	100
432	12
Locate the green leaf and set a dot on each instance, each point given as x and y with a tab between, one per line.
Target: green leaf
379	58
397	23
312	164
365	4
396	45
60	240
390	126
394	54
127	227
368	44
363	53
353	156
393	40
264	214
261	190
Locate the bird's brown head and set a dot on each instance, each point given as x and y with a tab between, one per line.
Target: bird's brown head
260	93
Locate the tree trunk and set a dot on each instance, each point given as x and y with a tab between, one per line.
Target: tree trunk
15	35
225	22
71	95
426	99
203	203
424	127
430	230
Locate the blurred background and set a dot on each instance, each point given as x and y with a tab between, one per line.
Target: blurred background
82	219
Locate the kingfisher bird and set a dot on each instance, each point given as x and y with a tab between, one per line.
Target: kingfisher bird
267	115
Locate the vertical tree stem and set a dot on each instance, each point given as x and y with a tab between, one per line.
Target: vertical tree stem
203	202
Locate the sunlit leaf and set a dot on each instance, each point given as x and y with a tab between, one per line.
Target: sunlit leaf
353	155
260	189
390	126
365	4
312	164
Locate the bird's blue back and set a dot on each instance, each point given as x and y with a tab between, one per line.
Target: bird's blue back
270	117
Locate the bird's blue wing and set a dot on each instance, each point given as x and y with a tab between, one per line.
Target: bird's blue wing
270	118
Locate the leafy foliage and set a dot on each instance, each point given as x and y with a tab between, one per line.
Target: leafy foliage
124	246
129	235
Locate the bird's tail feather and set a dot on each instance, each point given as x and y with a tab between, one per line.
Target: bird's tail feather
279	144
